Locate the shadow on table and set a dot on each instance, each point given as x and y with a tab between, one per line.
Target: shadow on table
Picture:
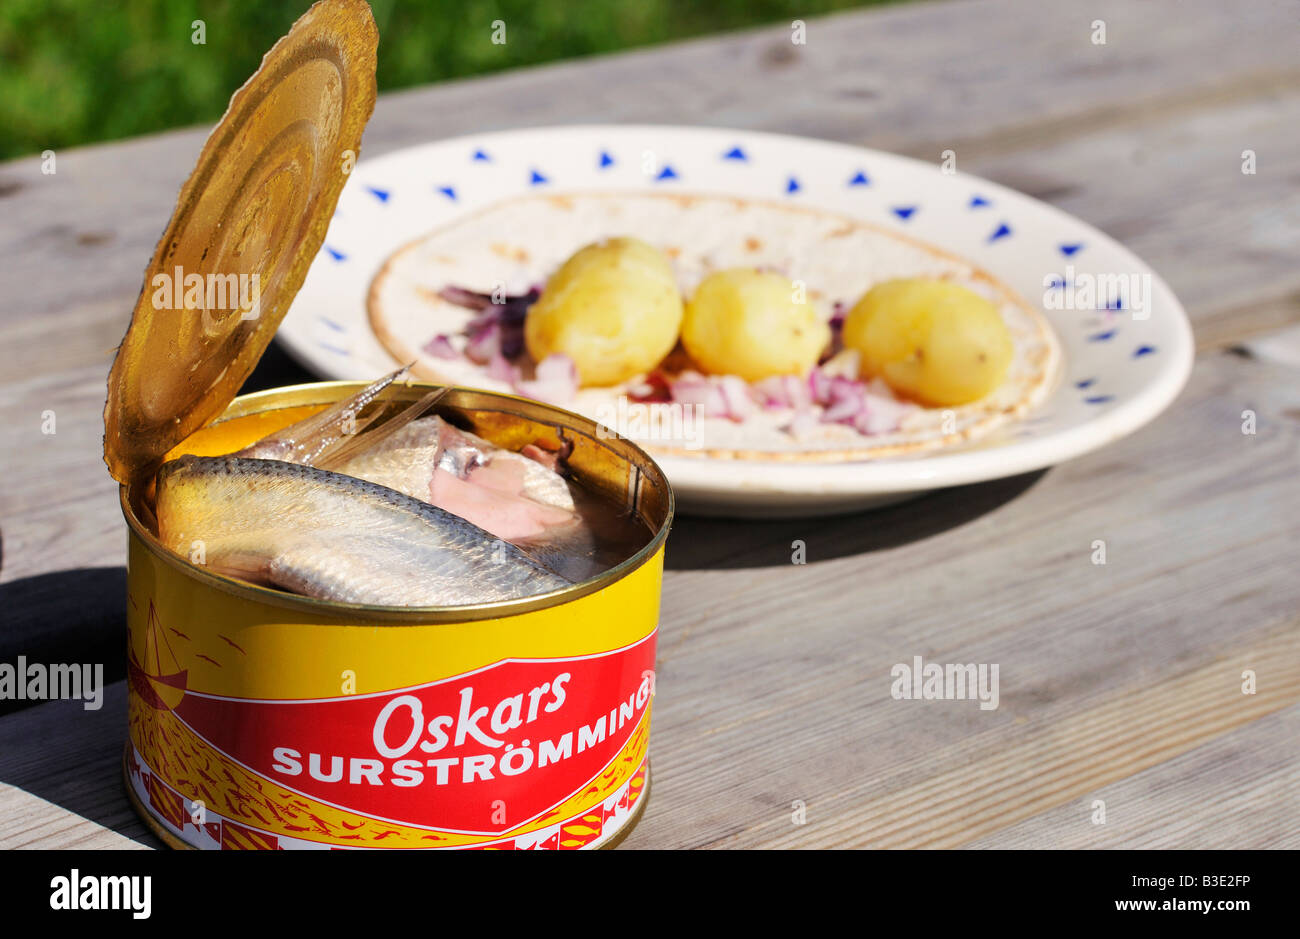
62	751
715	543
72	616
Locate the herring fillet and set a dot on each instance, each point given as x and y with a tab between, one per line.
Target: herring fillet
406	461
335	537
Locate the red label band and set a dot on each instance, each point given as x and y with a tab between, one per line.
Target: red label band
483	752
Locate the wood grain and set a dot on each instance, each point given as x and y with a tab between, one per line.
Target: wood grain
1063	758
1116	681
1237	789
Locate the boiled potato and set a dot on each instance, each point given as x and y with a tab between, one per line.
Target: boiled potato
750	323
613	308
937	342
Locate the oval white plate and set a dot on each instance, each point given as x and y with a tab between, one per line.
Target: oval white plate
1126	340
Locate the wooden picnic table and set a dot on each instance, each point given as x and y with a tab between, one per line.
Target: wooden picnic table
1119	682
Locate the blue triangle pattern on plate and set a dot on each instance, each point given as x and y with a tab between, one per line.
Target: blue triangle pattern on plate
1107	336
605	159
791	186
448	191
1003	231
336	255
978	202
380	194
481	157
735	153
860	179
1143	350
1099	399
904	211
666	173
537	179
1086	383
1071	250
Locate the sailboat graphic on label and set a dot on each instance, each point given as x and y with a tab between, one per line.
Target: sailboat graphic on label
158	680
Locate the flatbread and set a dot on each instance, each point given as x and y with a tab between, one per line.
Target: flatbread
518	243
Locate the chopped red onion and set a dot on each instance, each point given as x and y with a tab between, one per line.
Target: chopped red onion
771	394
796	392
556	381
782	391
691	388
802	424
847	400
844	400
882	415
484	343
819	386
505	320
735	397
469	299
440	347
500	369
868	409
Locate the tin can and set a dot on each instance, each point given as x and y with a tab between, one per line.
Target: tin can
262	719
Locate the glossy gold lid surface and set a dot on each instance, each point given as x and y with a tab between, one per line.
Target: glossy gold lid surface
247	225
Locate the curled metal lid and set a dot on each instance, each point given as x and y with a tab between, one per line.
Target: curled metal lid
247	225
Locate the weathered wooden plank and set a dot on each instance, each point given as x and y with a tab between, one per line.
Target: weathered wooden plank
1241	788
1055	757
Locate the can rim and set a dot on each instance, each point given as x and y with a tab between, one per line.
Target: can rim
416	615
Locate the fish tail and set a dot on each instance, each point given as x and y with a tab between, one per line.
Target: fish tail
313	438
346	450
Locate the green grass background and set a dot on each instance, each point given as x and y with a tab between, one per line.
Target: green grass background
79	71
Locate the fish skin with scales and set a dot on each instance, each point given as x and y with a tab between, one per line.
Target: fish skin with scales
336	537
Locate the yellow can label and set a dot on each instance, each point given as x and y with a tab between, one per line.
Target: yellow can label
253	725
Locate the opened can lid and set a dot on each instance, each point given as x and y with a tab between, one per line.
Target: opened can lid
247	225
